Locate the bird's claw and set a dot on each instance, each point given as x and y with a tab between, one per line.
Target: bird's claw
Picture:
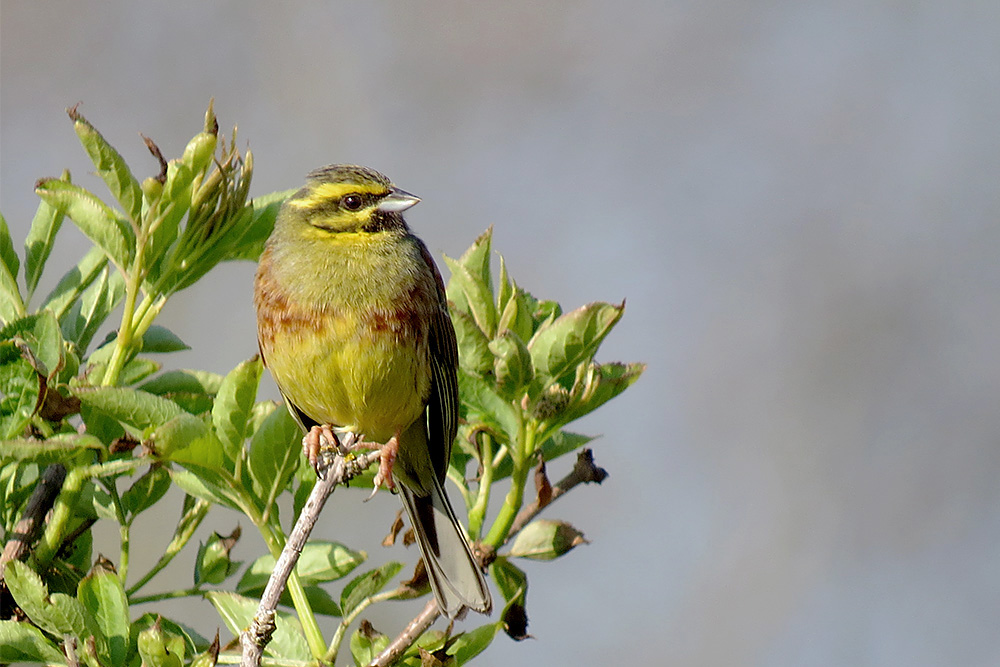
319	442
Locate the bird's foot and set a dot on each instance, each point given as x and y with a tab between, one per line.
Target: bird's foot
387	456
319	440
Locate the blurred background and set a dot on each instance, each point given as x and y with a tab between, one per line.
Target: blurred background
799	201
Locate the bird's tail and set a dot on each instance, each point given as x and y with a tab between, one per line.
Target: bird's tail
454	574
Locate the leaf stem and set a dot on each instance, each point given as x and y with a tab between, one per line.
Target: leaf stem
166	595
521	455
477	513
338	636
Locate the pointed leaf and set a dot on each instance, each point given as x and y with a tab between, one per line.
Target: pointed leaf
366	644
234	403
265	211
319	562
204	489
111	167
20	387
138	409
473	345
11	303
22	642
103	596
57	613
571	339
545	539
40	240
63	448
484	405
237	611
469	293
40	333
162	339
93	308
274	455
470	644
188	439
75	281
146	491
600	384
366	585
94	218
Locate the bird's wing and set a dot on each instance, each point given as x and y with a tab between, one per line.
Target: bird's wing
442	404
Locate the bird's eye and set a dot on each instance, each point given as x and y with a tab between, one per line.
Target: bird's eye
352	202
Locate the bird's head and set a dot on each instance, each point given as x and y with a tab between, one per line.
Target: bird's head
347	199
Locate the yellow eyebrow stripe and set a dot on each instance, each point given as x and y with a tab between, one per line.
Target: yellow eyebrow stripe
322	193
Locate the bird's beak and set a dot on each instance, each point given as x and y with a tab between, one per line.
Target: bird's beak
397	201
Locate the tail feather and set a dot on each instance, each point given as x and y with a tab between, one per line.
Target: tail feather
454	574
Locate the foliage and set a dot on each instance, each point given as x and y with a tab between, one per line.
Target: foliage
125	430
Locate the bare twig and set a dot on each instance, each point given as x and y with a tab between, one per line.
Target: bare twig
409	635
339	470
583	472
30	526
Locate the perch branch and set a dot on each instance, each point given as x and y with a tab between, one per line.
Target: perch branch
333	470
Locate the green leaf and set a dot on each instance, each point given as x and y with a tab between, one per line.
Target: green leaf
111	167
138	409
203	487
545	539
158	648
58	613
319	562
366	585
74	282
237	611
366	644
234	403
473	345
61	448
265	211
92	309
513	585
469	293
136	370
146	491
19	391
600	384
571	339
162	339
213	564
274	455
103	595
40	332
192	390
188	439
470	644
21	642
485	406
11	303
95	219
41	238
192	640
512	365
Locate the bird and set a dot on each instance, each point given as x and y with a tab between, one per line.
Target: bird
353	325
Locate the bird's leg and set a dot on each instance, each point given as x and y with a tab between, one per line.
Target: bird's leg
387	456
318	438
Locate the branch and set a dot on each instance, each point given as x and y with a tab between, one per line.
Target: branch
333	469
29	527
409	635
584	472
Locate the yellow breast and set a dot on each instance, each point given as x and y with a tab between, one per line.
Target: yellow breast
359	363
